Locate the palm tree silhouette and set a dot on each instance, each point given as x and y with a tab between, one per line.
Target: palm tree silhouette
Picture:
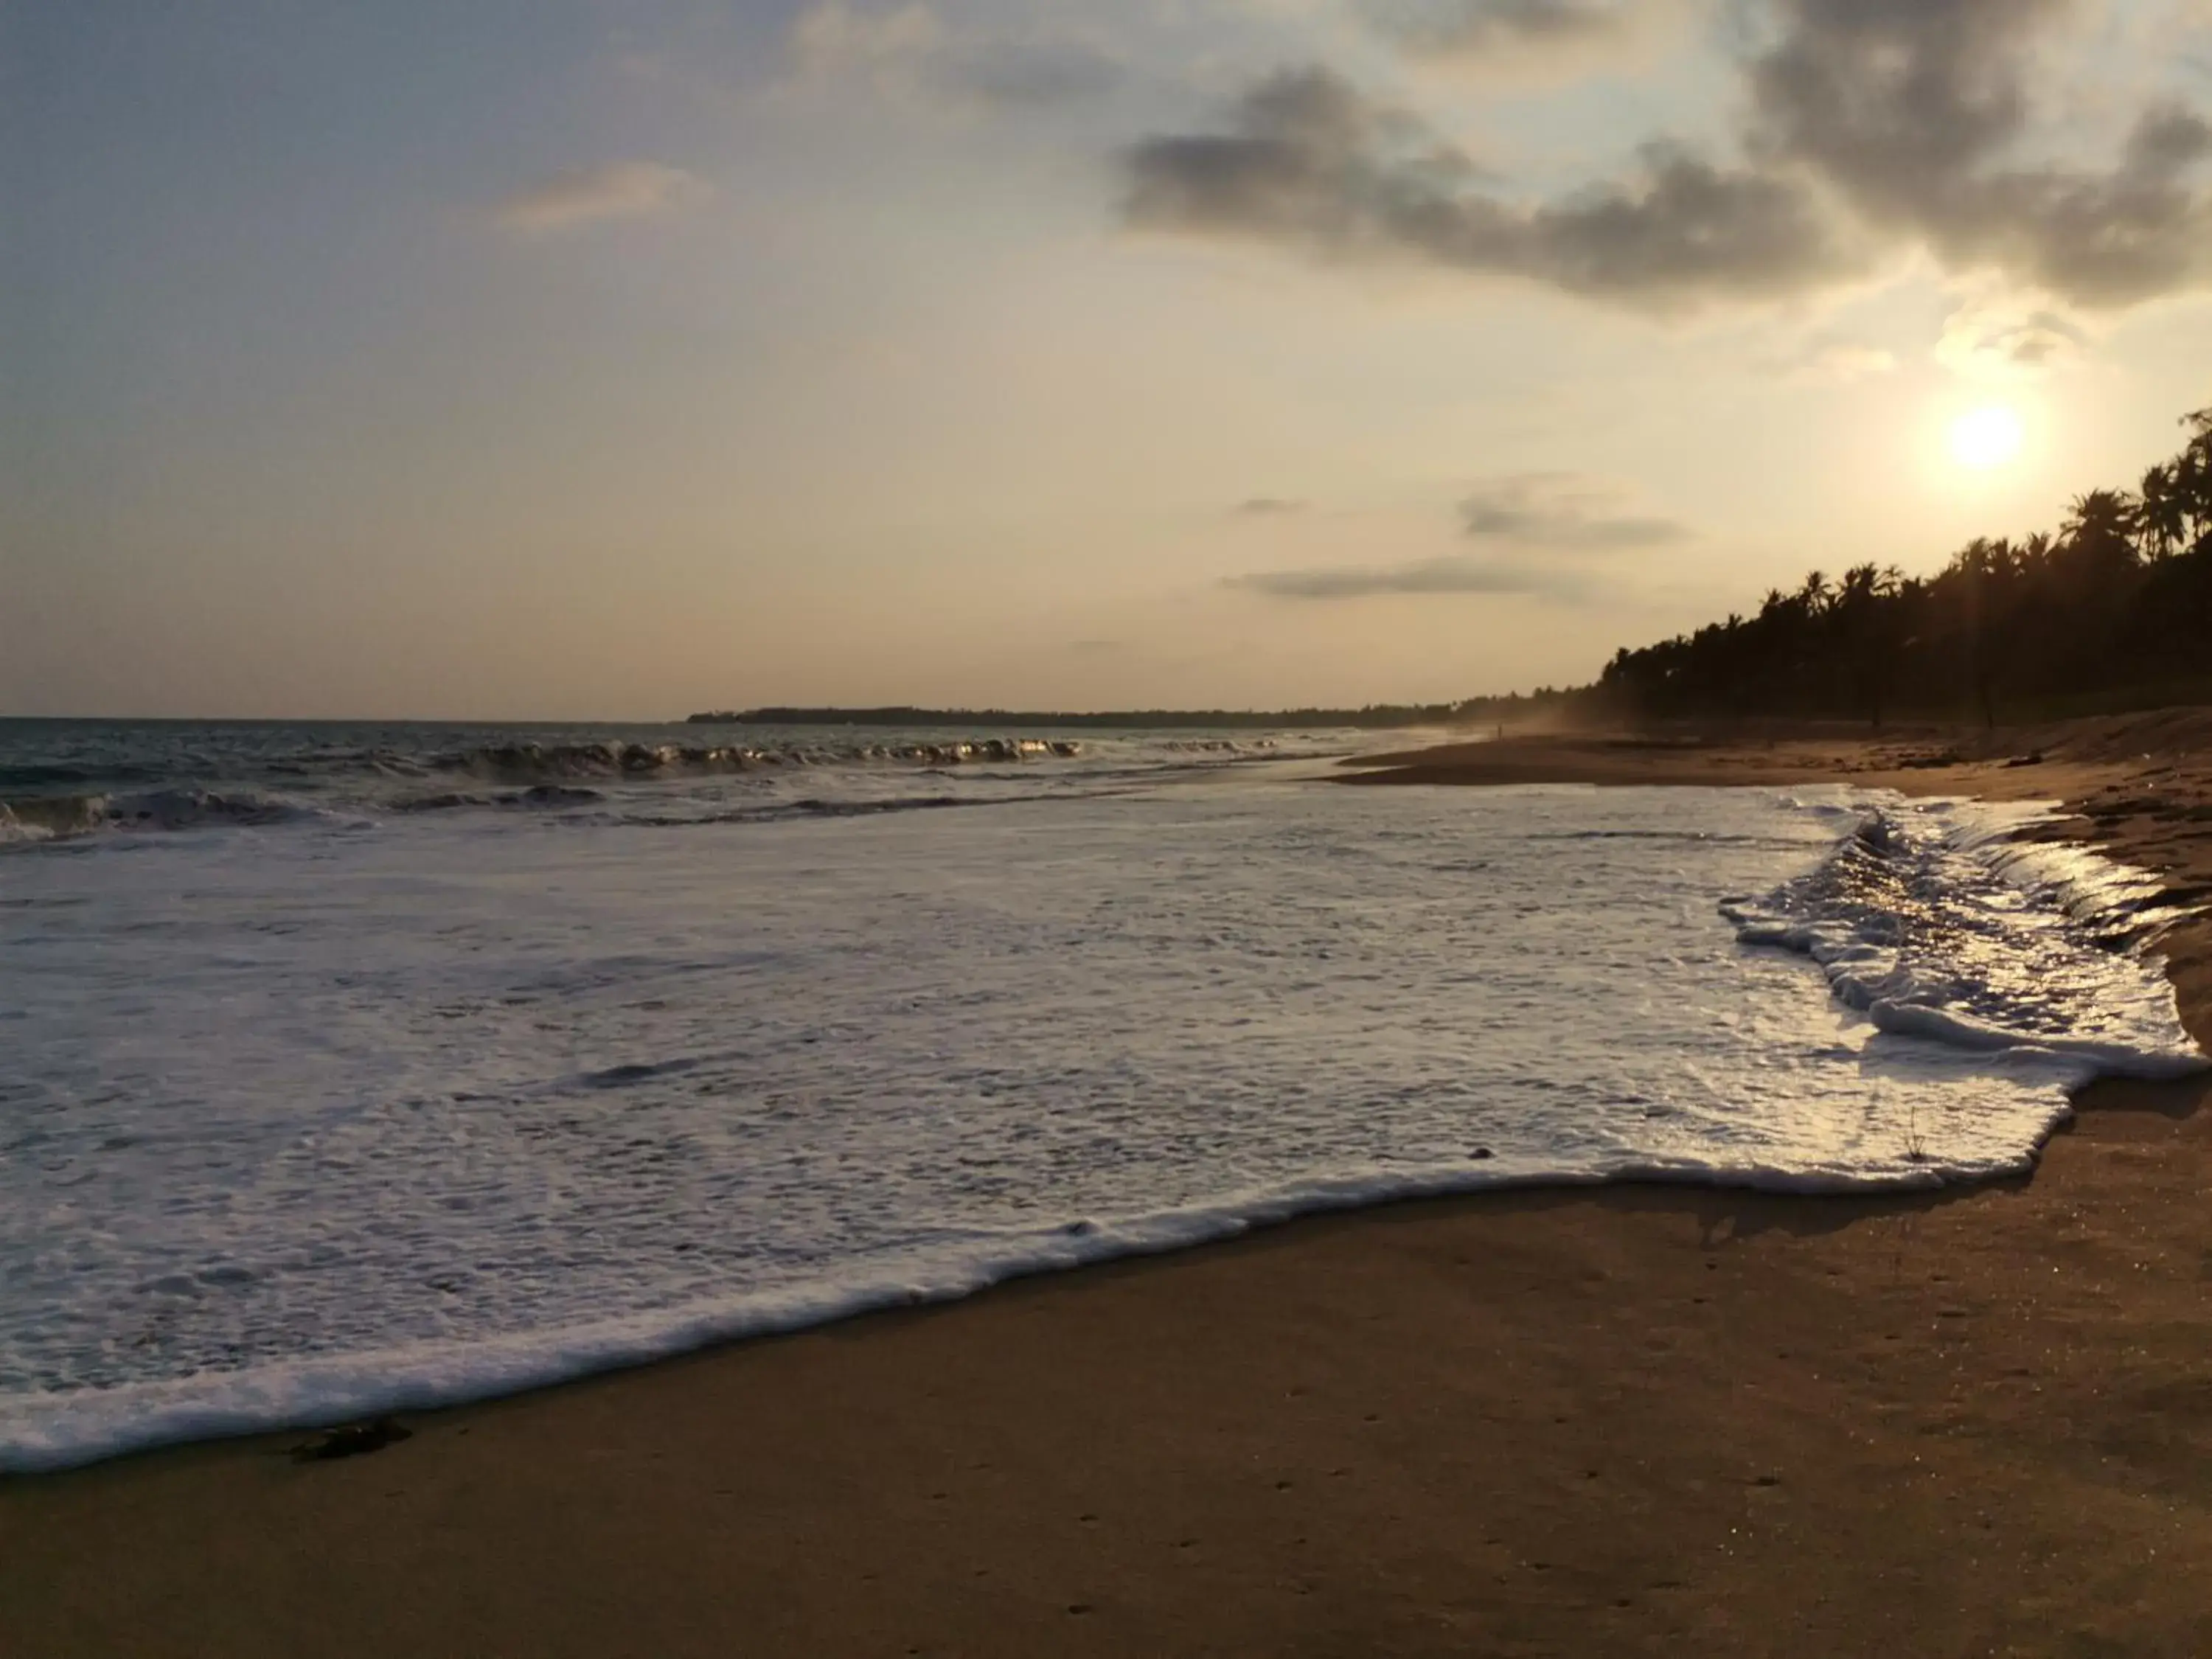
2116	605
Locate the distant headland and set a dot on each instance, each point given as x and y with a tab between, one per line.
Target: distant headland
1383	716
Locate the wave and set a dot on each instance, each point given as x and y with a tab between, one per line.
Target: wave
542	796
48	776
1691	837
837	809
550	798
782	812
41	820
62	817
67	1430
56	817
46	798
1943	922
536	776
1936	920
633	760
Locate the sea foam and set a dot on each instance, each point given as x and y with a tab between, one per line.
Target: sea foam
313	1118
1949	921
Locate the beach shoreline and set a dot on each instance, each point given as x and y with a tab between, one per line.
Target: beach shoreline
2138	787
1611	1420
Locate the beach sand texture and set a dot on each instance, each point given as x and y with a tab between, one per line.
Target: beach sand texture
1634	1420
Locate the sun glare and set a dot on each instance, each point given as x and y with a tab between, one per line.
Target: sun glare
1985	438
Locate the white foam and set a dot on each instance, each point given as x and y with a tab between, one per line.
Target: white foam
69	1430
302	1124
1941	920
14	831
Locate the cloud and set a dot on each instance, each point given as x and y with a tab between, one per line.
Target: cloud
1526	38
908	53
1872	128
1915	112
1996	334
1308	162
1267	506
1569	521
1035	75
619	189
1560	511
1447	575
1484	26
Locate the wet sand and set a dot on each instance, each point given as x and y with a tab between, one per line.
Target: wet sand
1627	1421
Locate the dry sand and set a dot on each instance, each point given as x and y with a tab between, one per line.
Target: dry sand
1628	1421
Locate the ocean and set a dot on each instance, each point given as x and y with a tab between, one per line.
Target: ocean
355	1068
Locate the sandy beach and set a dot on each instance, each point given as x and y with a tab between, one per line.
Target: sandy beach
1619	1421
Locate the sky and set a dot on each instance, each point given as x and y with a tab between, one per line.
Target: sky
569	359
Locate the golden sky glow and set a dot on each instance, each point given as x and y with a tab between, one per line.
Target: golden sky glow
575	362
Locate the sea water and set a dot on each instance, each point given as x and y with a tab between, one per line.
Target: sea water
344	1070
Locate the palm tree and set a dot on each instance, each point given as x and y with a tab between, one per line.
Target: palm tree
2100	530
1864	603
2192	481
1984	568
2162	512
2117	604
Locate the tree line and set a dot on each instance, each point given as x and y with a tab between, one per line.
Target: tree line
1504	710
2112	610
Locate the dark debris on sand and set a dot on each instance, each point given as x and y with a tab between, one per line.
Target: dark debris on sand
351	1441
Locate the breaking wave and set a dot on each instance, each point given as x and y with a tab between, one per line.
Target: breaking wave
1953	921
54	817
630	760
150	779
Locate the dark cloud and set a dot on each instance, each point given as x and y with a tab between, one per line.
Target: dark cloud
1914	110
2033	341
1267	506
1555	510
1872	123
1455	575
1569	521
1310	161
1983	335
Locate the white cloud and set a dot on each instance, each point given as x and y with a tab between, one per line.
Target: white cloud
618	189
908	53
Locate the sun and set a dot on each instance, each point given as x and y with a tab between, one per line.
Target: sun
1985	439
